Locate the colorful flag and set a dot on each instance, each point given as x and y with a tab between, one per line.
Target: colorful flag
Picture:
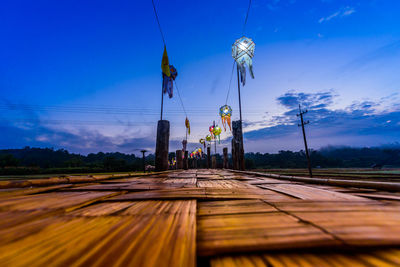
187	124
165	63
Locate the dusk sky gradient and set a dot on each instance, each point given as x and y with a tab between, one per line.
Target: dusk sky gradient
86	75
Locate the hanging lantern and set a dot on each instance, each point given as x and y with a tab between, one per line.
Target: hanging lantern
217	131
203	142
226	113
211	130
243	52
208	137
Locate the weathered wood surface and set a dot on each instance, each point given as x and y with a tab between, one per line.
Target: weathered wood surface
203	217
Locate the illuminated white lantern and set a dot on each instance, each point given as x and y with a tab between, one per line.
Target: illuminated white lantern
243	52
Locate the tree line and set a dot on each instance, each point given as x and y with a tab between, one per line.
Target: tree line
48	160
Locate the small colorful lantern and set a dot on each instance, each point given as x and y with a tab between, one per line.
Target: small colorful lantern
217	131
243	52
203	142
226	113
211	130
208	137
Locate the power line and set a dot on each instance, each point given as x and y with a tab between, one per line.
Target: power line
162	36
247	15
233	66
230	82
180	99
158	22
108	110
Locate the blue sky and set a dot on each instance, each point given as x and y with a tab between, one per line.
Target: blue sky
85	75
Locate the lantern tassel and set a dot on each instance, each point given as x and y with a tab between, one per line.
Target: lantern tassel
223	119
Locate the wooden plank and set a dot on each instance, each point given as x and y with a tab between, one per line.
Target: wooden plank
239	193
59	200
224	184
380	196
358	228
33	190
178	193
161	207
325	206
160	239
233	207
220	234
101	209
267	181
380	257
310	193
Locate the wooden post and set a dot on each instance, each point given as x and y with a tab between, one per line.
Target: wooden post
214	162
162	145
185	161
225	165
208	157
179	160
234	158
237	143
144	160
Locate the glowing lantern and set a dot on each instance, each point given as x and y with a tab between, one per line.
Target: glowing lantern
226	113
211	130
217	131
243	52
203	142
208	138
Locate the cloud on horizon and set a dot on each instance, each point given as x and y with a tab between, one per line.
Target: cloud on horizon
364	123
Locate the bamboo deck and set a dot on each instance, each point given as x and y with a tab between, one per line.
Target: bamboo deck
197	217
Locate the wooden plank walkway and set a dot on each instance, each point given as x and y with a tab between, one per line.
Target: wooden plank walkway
195	217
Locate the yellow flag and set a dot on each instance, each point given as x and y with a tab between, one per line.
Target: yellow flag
165	63
187	124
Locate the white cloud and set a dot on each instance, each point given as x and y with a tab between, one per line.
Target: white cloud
343	12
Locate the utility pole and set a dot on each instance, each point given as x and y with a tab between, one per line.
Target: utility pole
144	159
238	137
304	136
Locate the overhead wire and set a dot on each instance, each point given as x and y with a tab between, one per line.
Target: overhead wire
247	16
163	39
104	110
180	98
230	82
158	22
233	66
